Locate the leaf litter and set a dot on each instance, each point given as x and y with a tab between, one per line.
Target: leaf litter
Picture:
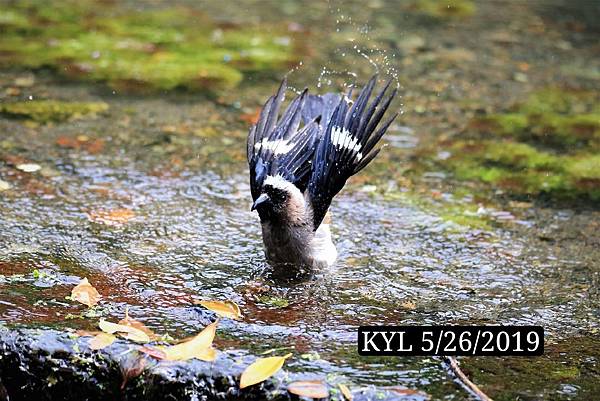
85	293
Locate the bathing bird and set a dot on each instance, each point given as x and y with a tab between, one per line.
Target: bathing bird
301	159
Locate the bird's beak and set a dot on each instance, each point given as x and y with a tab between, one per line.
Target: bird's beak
261	199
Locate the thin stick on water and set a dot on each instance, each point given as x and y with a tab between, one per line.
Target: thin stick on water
465	380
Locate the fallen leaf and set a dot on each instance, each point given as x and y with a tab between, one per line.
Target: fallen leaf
28	167
4	185
101	340
251	118
345	391
128	332
153	352
410	305
116	217
85	293
127	321
131	369
199	347
309	388
262	369
227	309
67	142
92	146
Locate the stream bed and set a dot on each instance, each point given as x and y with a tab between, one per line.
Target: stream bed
147	195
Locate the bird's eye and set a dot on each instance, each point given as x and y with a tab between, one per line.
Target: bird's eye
277	195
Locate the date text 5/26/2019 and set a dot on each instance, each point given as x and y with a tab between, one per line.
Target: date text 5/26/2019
450	340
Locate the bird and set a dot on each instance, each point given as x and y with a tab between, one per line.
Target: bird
300	159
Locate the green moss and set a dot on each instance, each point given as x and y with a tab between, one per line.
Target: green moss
445	8
461	213
515	166
551	117
44	111
585	168
274	302
511	378
547	144
151	49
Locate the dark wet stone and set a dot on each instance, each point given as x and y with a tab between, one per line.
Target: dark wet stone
52	365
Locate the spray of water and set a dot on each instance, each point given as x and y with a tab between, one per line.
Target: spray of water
347	64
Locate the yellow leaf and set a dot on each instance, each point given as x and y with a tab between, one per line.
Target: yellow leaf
127	321
128	332
85	293
345	391
199	347
136	335
309	388
101	340
262	369
227	309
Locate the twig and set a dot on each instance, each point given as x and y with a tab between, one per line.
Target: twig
465	380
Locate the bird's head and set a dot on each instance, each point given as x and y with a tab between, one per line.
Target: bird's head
280	199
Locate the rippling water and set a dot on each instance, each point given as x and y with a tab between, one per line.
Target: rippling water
193	236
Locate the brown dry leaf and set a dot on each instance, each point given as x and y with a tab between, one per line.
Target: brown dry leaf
199	347
345	391
227	309
251	118
128	332
115	217
85	293
153	352
101	340
262	369
131	369
92	146
309	388
127	321
410	305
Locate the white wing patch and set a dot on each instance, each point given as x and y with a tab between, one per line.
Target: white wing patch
341	138
279	146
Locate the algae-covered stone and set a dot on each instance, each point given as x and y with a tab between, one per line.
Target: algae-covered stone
555	118
547	144
43	111
147	49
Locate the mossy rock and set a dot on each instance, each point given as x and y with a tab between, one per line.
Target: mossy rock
159	49
44	111
524	170
545	145
443	9
559	119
